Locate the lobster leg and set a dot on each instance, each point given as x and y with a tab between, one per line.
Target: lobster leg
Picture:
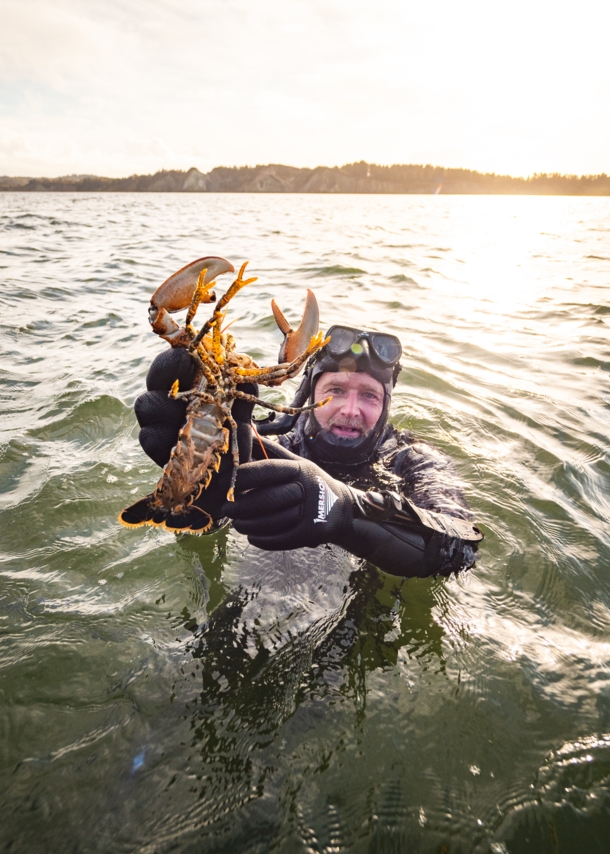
236	287
201	292
278	407
287	369
235	453
210	369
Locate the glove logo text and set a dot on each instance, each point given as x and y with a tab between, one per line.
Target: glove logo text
326	500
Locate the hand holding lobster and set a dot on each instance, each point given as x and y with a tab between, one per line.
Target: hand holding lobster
210	376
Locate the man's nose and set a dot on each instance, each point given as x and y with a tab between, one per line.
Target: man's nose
350	404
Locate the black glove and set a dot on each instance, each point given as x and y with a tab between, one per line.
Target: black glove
289	503
161	418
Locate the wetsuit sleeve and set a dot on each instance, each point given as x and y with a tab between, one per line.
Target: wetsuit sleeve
403	539
397	550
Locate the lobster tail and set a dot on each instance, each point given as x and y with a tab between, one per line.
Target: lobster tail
140	513
190	520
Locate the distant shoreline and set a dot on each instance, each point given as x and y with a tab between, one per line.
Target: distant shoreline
352	178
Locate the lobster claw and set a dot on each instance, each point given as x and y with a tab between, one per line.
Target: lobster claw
177	292
296	341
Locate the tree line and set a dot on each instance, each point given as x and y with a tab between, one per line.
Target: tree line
358	177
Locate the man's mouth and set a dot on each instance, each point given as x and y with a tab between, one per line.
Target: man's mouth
347	429
345	432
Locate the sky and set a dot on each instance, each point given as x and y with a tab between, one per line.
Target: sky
117	87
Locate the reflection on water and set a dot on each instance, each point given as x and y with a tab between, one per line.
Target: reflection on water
196	694
254	681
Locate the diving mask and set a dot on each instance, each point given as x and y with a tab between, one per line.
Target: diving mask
344	340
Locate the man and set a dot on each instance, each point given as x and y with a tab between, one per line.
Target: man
340	474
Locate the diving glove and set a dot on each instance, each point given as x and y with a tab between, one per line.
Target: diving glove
289	504
161	417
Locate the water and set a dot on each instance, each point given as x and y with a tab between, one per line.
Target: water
164	694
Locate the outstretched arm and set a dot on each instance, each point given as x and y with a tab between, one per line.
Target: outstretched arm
287	502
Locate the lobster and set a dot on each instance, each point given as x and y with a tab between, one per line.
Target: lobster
205	436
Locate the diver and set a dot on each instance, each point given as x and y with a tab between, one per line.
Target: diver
341	474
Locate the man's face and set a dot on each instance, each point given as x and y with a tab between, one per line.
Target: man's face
356	405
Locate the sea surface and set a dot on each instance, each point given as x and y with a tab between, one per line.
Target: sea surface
164	694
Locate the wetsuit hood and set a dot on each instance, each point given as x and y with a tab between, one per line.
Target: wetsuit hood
322	444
